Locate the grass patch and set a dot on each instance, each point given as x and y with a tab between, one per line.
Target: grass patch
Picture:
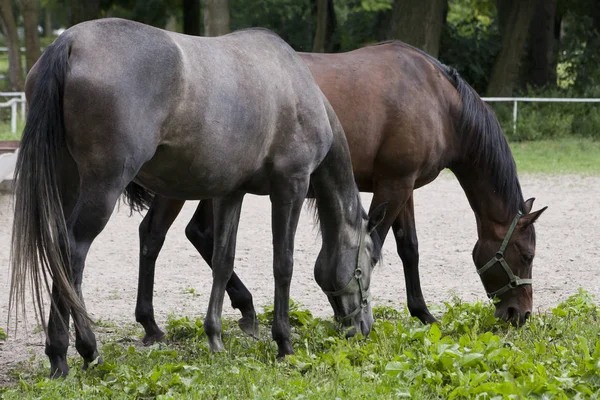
6	134
468	355
560	156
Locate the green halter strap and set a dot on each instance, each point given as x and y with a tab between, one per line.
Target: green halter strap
356	284
514	280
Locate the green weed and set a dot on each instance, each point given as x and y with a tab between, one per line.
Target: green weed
469	354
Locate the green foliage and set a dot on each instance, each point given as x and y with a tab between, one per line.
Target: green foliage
541	121
3	336
290	19
470	40
468	355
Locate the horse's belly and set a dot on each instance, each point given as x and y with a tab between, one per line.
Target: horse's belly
177	175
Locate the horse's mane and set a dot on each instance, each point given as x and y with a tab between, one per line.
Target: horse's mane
483	143
312	207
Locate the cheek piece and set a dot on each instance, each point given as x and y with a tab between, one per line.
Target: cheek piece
355	285
513	280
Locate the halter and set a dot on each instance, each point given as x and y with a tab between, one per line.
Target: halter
514	280
356	283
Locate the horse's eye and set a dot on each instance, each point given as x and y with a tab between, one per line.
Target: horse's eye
528	258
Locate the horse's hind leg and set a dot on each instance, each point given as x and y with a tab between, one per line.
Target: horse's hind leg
57	340
227	215
96	202
200	232
153	230
405	234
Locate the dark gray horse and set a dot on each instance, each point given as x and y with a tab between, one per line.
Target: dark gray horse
114	101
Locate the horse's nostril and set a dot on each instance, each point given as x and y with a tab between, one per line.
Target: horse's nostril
511	314
526	315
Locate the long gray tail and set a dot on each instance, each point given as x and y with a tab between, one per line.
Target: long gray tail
39	227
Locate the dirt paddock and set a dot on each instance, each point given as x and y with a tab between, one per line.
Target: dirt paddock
568	255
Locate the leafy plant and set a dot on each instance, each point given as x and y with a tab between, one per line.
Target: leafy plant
467	355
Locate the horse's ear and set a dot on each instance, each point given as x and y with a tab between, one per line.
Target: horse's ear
530	218
528	205
376	216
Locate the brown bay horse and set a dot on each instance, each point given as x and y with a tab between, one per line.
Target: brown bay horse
406	117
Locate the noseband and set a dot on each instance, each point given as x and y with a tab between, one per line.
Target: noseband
356	284
514	280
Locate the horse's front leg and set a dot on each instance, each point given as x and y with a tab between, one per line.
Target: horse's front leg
407	245
226	220
287	198
153	231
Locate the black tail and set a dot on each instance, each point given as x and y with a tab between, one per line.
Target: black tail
137	198
39	227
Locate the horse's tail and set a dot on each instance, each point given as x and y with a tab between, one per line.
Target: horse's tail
137	197
39	227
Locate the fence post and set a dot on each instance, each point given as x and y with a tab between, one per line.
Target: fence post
23	107
515	117
13	117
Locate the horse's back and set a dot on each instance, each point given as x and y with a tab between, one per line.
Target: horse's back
187	106
397	108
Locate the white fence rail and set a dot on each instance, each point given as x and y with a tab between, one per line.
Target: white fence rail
516	100
16	98
19	98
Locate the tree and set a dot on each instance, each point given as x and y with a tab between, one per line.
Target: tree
191	17
514	17
30	11
324	14
80	11
542	45
419	23
320	34
9	27
216	17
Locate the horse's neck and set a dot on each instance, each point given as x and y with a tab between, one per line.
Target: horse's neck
336	196
490	210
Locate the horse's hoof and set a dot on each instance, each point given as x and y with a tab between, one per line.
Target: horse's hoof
215	345
281	355
94	361
149	340
425	317
249	325
285	349
59	372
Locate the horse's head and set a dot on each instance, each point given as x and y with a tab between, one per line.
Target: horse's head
345	276
504	263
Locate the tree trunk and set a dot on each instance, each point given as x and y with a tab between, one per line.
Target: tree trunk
514	17
80	11
323	12
542	47
419	23
191	17
48	23
9	27
216	17
30	11
320	34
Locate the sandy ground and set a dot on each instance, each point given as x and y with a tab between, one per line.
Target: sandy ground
568	256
